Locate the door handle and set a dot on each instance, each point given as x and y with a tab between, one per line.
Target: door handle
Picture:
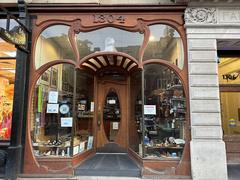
99	118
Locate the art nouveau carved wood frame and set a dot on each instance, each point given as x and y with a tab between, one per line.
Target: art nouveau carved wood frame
85	22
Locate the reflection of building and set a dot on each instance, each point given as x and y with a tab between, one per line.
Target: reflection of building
181	94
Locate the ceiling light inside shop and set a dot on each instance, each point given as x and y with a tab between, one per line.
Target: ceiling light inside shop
12	71
10	53
152	38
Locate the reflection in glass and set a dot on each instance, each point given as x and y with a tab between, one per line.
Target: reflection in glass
164	113
165	43
135	125
111	115
83	135
62	114
52	112
53	44
109	39
12	24
230	111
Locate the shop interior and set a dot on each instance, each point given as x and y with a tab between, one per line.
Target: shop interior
63	99
229	76
7	77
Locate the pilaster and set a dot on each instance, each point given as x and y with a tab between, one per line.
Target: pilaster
208	154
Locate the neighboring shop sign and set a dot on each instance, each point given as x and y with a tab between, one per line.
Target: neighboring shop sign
12	30
15	36
232	122
229	15
232	76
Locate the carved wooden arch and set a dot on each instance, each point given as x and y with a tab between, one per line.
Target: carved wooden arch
141	25
38	32
34	78
46	20
100	60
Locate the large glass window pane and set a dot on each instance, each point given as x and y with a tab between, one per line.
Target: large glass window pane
229	77
7	78
165	43
109	39
230	110
53	44
84	108
164	113
52	112
135	125
7	50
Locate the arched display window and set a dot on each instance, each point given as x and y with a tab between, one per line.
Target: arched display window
99	84
109	39
53	44
164	123
61	120
165	43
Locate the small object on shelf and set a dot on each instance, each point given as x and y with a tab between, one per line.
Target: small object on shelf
63	153
179	141
146	140
57	151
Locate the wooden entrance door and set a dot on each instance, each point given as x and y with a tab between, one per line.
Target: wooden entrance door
105	127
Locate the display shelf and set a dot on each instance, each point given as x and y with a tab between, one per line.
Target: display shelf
175	86
50	146
85	116
164	147
178	99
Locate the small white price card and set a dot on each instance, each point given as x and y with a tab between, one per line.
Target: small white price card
52	108
115	125
90	142
66	122
150	109
92	107
53	97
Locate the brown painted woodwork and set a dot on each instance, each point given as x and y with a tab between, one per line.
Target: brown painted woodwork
104	86
80	18
232	148
229	87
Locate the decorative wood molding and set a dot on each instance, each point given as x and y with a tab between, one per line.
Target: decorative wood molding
200	16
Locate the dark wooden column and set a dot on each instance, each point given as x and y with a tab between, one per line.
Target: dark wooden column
16	148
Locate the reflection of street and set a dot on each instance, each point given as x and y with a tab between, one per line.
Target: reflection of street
233	171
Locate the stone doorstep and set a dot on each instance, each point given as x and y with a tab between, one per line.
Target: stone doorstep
104	178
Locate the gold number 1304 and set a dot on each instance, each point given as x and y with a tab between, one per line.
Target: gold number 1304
101	18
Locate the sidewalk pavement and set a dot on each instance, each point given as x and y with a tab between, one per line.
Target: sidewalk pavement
100	178
233	171
233	174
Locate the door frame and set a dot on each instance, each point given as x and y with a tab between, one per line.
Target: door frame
102	88
137	18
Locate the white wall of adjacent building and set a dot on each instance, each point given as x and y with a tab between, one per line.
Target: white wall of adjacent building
204	26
